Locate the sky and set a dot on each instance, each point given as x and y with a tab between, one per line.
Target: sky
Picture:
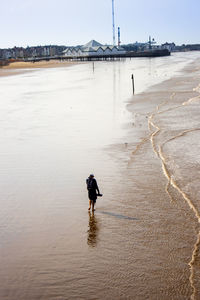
75	22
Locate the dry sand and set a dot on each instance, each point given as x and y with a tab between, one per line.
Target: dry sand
15	68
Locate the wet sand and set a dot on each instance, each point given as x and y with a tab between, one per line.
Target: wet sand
142	242
164	167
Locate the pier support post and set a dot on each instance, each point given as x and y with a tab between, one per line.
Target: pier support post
133	84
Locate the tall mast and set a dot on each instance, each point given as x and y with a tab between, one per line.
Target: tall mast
119	39
113	19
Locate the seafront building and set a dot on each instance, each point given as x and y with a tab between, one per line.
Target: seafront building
31	52
93	48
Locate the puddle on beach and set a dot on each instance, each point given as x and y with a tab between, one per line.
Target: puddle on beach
57	127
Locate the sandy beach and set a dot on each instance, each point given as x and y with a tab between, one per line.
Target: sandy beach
142	242
20	67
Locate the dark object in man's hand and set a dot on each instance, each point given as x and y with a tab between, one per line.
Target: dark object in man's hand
99	195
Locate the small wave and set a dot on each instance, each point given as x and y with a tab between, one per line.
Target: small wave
192	100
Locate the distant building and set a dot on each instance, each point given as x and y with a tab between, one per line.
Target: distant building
169	46
93	48
18	52
7	54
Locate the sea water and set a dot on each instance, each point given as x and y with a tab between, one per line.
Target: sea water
57	126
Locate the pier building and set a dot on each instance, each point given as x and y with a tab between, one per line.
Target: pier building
93	49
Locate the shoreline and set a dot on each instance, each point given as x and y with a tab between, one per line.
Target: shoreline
15	68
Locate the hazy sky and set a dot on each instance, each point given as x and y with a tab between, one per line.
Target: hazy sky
72	22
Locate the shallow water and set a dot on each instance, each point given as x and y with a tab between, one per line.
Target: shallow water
57	126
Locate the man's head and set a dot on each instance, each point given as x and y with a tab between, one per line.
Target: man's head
91	176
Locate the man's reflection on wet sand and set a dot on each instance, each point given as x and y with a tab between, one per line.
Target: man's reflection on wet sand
93	230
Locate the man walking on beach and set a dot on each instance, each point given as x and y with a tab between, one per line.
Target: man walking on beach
93	189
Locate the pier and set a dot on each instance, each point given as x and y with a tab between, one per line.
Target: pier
152	53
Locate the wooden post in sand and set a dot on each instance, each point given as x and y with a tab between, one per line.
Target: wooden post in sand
132	77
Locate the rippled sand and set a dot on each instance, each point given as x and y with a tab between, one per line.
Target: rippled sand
143	240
